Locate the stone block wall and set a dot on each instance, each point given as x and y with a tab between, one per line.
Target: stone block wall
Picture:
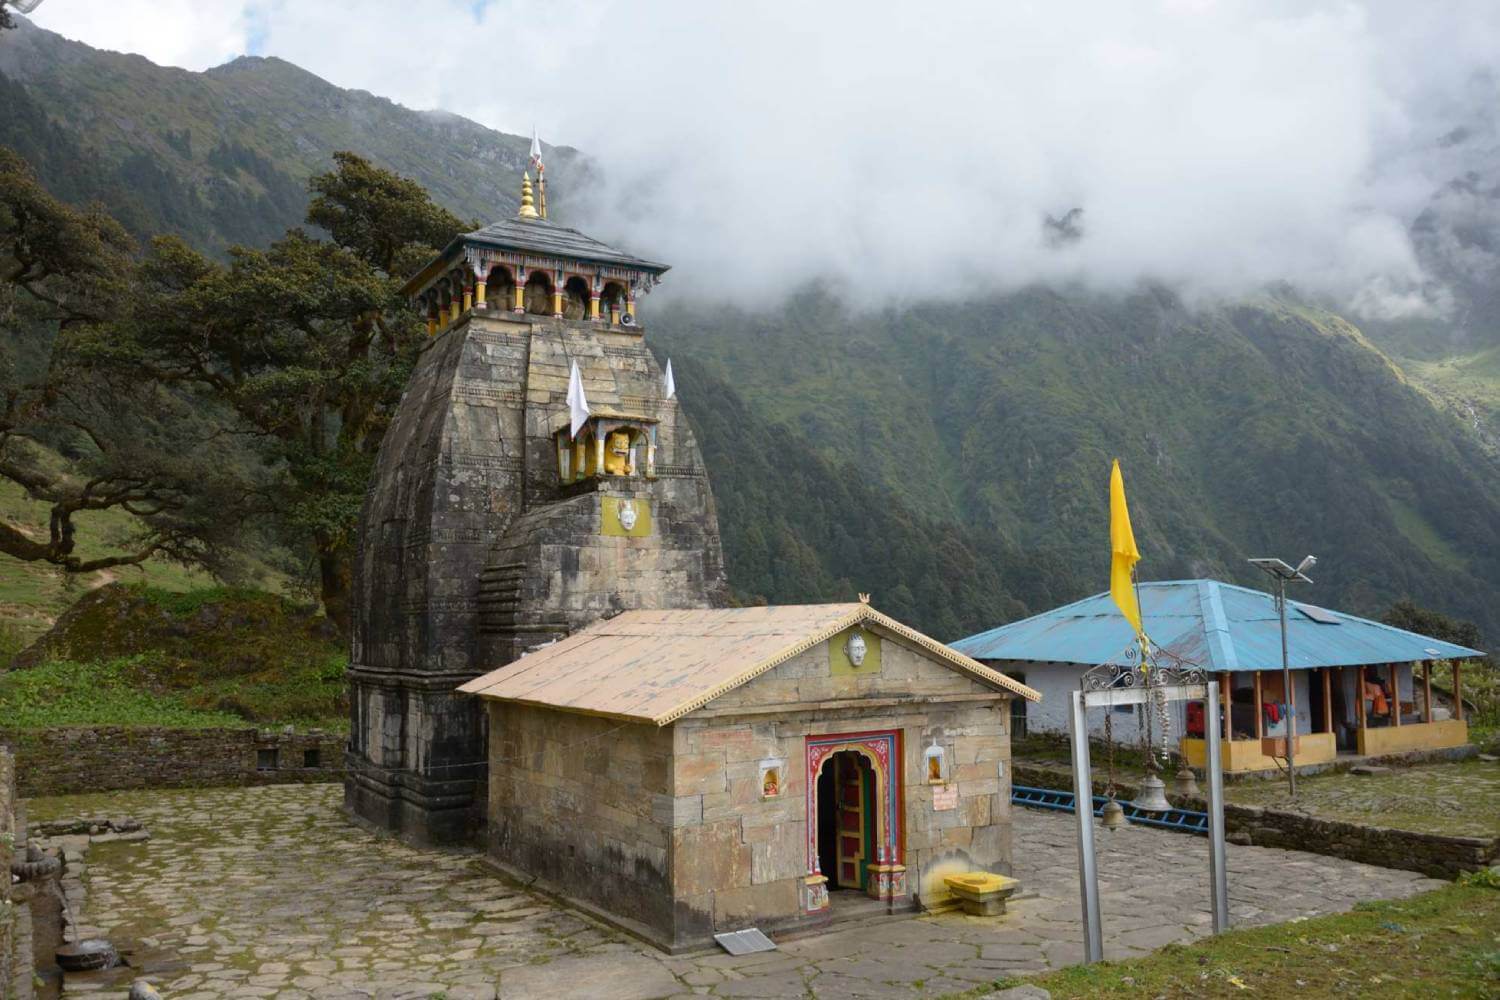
576	800
71	759
15	950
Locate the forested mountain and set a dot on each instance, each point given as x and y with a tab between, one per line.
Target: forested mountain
950	457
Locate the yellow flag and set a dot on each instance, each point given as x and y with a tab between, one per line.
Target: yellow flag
1123	552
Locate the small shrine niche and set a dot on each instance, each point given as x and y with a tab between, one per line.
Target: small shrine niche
620	445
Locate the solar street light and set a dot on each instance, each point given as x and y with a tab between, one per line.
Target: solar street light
1298	574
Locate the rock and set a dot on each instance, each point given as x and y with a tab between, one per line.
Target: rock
142	990
1026	992
1369	769
1488	758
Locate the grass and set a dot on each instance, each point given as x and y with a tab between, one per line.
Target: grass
219	656
33	595
1441	943
1459	798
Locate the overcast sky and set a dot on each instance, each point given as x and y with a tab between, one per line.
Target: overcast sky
907	149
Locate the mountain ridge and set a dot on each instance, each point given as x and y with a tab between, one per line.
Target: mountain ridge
949	457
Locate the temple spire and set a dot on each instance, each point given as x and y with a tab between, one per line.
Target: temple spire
528	205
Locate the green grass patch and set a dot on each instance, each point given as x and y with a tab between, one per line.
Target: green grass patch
139	655
1441	943
68	693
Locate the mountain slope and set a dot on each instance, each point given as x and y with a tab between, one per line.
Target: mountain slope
950	457
223	156
1259	428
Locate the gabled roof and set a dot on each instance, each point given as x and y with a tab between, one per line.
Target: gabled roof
1218	626
657	666
543	237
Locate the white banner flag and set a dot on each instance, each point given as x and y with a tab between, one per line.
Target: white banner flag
671	382
578	404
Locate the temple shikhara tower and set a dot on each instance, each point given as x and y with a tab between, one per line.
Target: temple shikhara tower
510	508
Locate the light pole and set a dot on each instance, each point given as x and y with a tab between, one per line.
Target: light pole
1282	573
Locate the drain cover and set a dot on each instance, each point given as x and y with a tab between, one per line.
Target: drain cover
745	942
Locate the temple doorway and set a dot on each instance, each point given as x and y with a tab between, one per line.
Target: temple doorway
846	820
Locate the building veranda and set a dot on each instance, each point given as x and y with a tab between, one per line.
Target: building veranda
694	771
1359	687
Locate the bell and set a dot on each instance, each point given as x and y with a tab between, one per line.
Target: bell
1112	816
1185	785
1153	795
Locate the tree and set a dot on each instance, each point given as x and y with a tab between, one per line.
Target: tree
76	439
307	342
1407	614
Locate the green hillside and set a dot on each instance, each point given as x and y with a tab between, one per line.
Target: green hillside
949	457
1259	428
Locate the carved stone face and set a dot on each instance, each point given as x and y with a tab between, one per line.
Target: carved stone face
627	515
855	648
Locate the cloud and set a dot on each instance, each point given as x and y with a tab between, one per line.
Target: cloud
906	151
193	34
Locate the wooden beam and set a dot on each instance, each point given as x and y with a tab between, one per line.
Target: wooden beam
1359	695
1260	712
1458	694
1395	695
1327	699
1427	689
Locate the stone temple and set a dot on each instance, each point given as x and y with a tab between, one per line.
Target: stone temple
491	529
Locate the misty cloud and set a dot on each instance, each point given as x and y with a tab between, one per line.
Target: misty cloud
905	151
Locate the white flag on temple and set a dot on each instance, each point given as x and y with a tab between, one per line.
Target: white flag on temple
671	382
578	404
536	152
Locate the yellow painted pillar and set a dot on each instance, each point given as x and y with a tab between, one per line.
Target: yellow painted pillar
520	304
431	325
454	311
594	306
614	314
479	293
468	300
557	301
630	307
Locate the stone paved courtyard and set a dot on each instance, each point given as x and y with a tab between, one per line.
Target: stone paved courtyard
268	892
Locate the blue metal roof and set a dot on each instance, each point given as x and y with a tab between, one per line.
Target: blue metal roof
1216	625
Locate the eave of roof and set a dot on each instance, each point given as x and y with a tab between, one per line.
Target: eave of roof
1219	626
852	614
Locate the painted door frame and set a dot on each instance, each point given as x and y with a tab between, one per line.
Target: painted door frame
884	750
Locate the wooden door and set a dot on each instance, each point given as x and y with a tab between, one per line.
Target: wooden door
855	787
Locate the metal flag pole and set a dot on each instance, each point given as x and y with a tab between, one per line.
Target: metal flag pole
1282	572
1218	873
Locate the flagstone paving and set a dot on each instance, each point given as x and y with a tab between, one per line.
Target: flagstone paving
268	892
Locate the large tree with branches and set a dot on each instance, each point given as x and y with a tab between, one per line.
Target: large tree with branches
79	439
307	342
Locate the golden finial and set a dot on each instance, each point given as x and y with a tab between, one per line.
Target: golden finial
528	206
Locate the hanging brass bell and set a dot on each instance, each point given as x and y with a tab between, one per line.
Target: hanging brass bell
1152	796
1185	784
1112	816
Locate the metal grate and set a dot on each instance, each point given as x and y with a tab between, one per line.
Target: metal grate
745	942
1184	820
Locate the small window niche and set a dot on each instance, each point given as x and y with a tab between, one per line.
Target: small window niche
772	777
614	445
936	759
265	759
312	758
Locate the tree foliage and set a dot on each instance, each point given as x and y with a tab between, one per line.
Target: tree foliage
307	342
64	272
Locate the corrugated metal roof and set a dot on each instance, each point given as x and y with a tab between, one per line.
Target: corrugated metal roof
656	666
1217	625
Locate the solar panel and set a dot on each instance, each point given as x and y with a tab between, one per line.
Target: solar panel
1318	614
745	942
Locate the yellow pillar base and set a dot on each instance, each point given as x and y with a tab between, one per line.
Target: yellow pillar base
557	304
479	293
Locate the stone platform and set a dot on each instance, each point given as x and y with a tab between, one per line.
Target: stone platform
269	892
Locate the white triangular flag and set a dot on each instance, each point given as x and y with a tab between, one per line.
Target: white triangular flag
536	152
671	382
578	404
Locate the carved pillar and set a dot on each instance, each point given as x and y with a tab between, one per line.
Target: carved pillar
557	295
520	297
594	306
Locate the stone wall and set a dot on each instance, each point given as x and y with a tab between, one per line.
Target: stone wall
577	801
68	759
1432	854
15	950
